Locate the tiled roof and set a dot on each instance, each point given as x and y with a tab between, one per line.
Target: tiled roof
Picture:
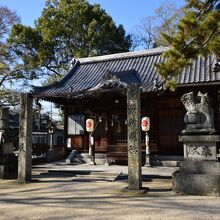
87	73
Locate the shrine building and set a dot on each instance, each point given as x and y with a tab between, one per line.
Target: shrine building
95	87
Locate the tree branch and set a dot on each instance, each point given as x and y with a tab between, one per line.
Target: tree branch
203	8
54	71
2	80
210	36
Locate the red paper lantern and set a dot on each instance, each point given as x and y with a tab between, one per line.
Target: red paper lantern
145	124
89	125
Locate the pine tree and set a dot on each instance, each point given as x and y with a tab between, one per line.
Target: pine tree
198	33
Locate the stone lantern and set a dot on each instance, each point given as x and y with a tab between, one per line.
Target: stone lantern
8	160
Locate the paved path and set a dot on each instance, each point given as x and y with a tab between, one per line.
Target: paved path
68	195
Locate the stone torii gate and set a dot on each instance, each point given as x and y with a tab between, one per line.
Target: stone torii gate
134	138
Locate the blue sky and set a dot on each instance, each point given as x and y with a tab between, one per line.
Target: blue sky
125	12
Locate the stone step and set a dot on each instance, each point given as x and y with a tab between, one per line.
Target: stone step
88	160
167	157
166	160
146	178
165	163
97	155
79	160
81	175
56	174
100	159
84	175
83	172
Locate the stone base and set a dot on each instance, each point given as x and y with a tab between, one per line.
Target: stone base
197	178
8	166
8	171
196	184
135	191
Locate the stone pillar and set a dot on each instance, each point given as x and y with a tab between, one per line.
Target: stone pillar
134	137
25	139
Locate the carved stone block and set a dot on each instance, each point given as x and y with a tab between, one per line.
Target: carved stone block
199	147
200	151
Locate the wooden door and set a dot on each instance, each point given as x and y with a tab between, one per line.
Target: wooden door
170	125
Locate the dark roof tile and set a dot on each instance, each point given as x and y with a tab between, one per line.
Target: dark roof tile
88	72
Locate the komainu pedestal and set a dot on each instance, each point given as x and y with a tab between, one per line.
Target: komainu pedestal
199	173
196	177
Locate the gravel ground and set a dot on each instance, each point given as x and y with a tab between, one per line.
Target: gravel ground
74	196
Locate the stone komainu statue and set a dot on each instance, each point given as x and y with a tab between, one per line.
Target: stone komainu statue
198	118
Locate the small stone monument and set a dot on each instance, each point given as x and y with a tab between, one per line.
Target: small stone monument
52	154
8	160
198	173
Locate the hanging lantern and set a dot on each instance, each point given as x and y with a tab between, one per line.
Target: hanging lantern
89	125
145	124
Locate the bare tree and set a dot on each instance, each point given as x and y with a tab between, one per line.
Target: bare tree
147	34
7	19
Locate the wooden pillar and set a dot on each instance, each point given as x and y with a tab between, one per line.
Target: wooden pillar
134	137
25	139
